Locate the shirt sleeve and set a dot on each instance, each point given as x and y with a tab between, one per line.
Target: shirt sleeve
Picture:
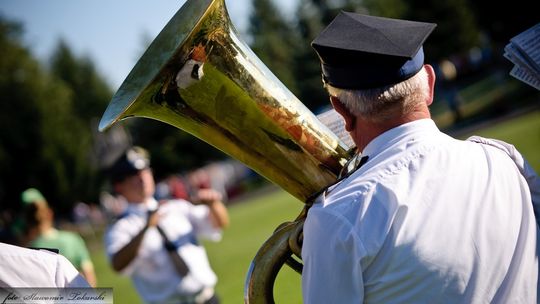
117	236
331	253
67	276
523	166
199	215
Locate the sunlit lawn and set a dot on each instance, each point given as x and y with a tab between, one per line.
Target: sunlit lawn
254	220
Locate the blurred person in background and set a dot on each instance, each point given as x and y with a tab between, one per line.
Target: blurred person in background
447	74
157	244
41	233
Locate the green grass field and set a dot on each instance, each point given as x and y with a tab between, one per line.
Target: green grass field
254	220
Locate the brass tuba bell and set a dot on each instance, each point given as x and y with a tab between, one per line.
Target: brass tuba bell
198	76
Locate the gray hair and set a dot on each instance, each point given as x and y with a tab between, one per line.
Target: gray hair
380	104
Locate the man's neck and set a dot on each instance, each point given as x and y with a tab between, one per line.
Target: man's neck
366	130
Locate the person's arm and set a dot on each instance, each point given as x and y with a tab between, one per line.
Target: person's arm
330	254
84	264
67	275
87	270
218	212
526	170
126	254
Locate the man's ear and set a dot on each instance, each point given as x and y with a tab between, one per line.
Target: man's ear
431	79
349	118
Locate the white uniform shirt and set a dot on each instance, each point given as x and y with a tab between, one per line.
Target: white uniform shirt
152	271
23	267
428	219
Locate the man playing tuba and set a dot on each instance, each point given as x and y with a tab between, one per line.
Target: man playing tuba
427	218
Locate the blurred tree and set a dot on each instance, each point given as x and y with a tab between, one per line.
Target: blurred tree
41	138
456	32
503	20
90	92
386	8
274	41
307	69
90	95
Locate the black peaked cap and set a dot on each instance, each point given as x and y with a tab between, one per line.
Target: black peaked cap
361	51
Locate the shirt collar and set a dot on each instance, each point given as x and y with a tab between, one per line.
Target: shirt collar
395	135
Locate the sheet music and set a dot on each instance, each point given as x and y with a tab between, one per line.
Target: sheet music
336	124
524	51
525	76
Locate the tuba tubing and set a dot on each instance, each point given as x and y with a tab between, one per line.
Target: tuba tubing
199	76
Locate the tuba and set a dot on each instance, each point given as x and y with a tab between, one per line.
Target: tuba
198	76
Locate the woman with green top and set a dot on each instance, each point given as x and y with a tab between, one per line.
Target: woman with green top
41	233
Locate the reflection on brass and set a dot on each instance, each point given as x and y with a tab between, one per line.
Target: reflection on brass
198	76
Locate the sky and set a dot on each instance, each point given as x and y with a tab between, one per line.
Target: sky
112	33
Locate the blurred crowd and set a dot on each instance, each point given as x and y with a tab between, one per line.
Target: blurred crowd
231	178
34	225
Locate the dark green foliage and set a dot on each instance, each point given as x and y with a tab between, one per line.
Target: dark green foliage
89	95
307	69
274	41
449	37
43	143
90	92
501	20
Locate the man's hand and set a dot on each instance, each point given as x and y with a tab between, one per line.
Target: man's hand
218	212
207	197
